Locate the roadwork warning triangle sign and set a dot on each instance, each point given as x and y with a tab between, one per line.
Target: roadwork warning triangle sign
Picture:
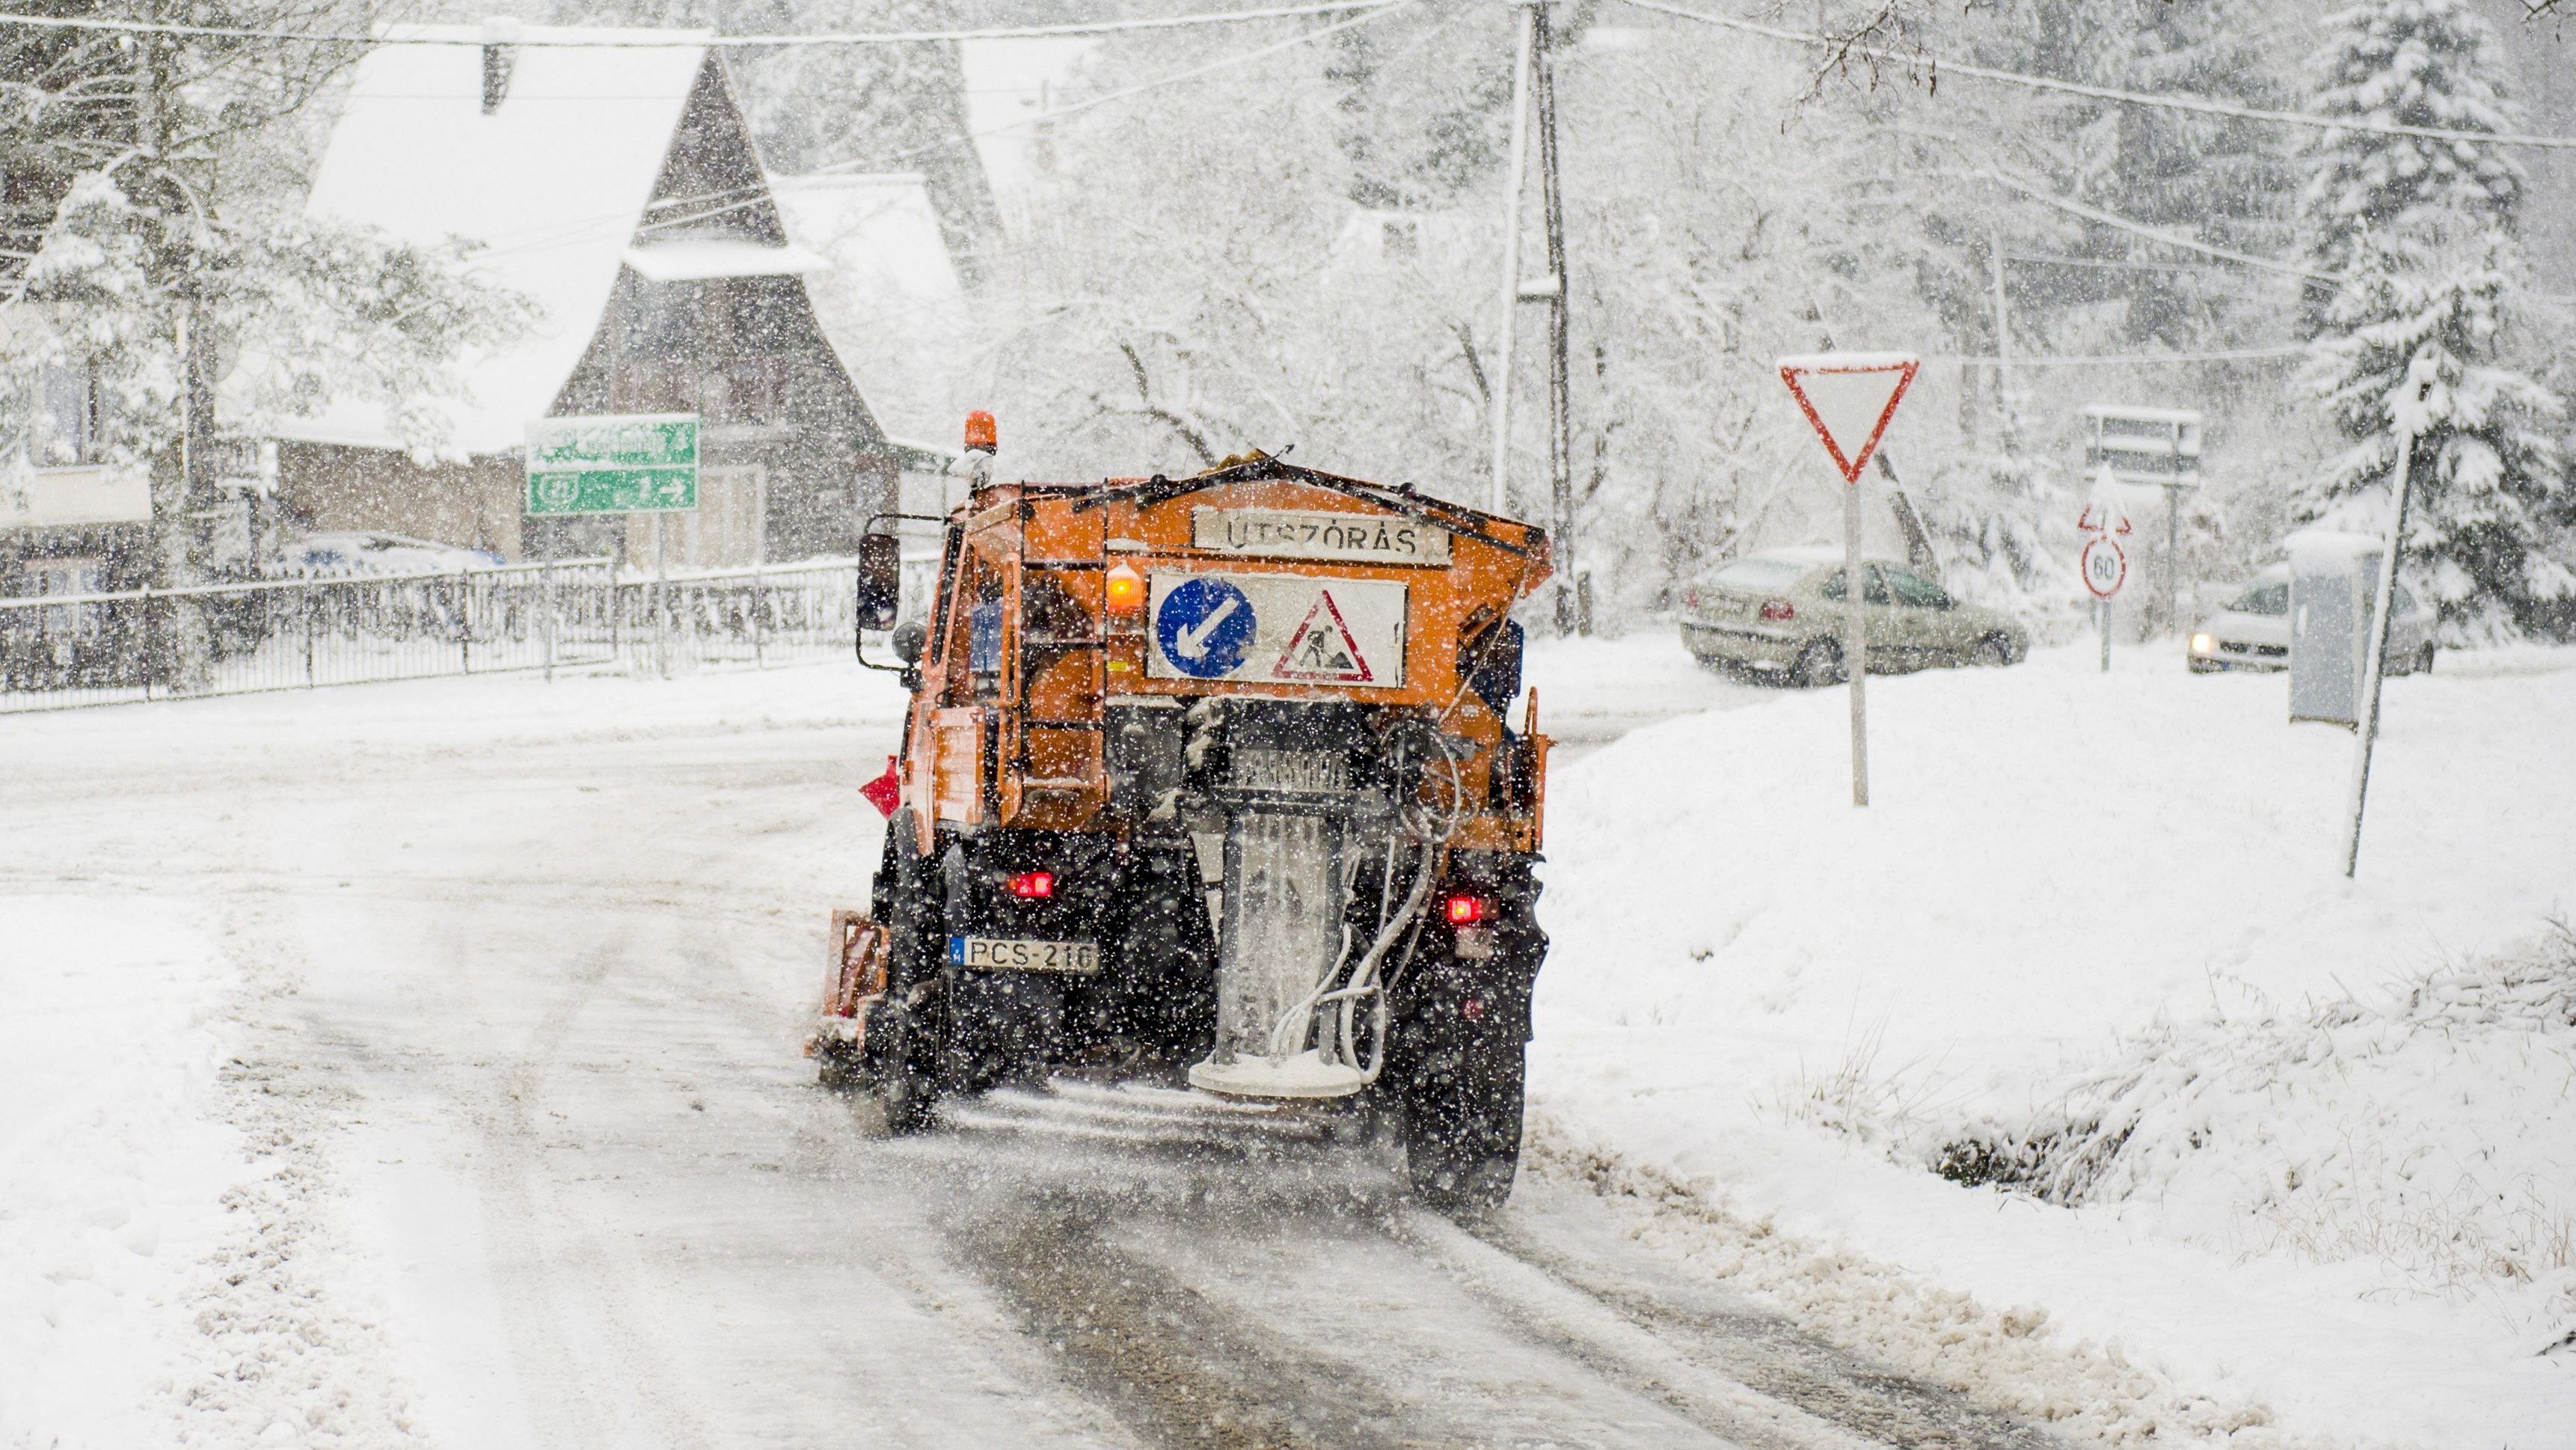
1323	650
1849	397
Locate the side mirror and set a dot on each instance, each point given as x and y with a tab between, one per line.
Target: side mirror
909	637
880	581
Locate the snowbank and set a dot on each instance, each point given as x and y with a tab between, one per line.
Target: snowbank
114	1166
2055	861
2432	1130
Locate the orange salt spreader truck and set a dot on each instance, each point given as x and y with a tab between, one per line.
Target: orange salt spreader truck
1208	779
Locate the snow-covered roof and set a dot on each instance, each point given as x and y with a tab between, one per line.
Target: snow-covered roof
698	258
2323	551
891	303
552	183
1010	83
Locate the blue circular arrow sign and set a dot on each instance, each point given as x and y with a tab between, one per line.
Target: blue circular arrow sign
1204	626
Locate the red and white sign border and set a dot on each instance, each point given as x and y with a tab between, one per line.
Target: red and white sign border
1792	369
2084	565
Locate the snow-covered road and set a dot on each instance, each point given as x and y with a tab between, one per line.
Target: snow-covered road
516	974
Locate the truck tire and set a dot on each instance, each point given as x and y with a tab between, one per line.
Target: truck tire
1460	1056
899	1054
1462	1126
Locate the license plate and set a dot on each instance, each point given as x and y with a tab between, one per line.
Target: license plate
1012	954
1290	772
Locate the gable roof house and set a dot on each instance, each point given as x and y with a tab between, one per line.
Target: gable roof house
615	183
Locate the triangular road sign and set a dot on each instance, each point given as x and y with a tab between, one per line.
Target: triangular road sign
1849	398
1322	649
2102	512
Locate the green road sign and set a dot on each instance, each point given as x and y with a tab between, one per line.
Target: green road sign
645	463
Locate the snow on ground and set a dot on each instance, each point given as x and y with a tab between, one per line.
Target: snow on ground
1772	1005
181	1258
1766	1018
114	1163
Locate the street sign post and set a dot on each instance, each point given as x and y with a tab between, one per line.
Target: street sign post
1849	398
632	463
2159	446
637	463
2104	564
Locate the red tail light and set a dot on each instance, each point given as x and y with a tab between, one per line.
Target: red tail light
1466	910
1033	885
1690	599
1778	610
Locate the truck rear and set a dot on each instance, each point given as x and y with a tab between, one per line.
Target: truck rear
1210	780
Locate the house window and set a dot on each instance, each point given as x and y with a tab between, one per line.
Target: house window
653	385
72	418
746	390
56	577
736	390
1401	239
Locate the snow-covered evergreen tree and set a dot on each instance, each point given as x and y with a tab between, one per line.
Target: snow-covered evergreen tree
1986	514
2413	63
2413	347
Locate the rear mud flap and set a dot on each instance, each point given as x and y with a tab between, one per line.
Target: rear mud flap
1002	1027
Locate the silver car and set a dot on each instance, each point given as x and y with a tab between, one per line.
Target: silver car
1780	613
2253	631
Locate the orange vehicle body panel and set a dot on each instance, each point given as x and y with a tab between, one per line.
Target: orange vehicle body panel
1023	743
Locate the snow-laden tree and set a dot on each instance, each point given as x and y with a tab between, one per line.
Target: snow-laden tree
177	250
2415	348
2215	179
1988	512
2428	63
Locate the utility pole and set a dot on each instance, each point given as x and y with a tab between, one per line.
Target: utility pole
1560	442
2005	430
1515	177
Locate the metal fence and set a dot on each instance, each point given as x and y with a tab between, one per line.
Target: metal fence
230	639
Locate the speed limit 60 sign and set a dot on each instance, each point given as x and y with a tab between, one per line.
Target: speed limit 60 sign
2106	567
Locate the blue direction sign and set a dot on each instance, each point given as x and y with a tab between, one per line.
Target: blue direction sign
1204	626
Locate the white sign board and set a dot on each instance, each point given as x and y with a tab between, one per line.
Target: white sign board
1316	534
1849	398
1276	629
2144	445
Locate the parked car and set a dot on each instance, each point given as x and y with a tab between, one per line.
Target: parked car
2253	631
354	555
1780	612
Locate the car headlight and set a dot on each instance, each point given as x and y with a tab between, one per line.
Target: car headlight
2202	644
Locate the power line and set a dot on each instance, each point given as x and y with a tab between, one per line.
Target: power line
2115	220
2147	359
2114	264
686	39
2171	101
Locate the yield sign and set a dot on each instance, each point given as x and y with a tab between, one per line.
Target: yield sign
1849	397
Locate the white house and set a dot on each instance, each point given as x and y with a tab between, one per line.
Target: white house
608	175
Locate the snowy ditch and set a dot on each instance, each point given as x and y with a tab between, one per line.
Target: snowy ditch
2423	1128
2166	1123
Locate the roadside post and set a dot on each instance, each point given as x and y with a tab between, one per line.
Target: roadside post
2384	607
1849	399
2104	564
618	464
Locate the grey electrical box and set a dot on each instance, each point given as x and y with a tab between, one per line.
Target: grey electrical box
2334	582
